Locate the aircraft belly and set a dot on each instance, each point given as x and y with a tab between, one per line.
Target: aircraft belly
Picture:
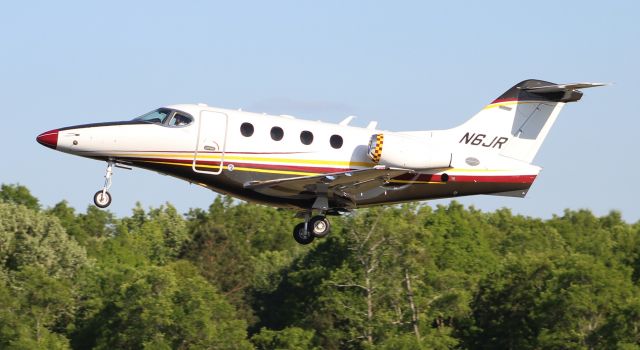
228	182
402	189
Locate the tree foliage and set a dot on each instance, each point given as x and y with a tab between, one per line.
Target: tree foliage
395	277
18	194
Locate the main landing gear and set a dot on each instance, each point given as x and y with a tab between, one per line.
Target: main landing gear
316	227
102	198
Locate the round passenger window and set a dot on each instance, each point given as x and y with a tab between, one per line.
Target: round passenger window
246	129
336	141
306	137
277	133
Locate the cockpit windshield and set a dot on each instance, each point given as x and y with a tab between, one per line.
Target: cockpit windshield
165	116
158	116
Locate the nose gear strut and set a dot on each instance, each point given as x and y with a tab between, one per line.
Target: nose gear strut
102	198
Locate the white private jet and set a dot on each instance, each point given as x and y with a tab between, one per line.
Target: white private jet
326	168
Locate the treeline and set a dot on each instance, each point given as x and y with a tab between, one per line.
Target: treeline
396	277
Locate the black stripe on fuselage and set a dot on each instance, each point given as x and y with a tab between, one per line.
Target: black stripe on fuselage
96	125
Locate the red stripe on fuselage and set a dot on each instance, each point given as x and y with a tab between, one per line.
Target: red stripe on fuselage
500	100
468	178
523	179
246	165
201	152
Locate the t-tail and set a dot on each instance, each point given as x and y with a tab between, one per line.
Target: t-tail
515	124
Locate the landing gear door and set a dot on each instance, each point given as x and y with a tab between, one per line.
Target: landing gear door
208	157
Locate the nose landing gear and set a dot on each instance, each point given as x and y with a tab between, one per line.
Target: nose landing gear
316	227
102	198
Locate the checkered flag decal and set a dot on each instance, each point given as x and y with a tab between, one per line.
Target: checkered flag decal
375	147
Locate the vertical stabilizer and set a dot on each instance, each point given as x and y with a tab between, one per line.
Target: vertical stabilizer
516	123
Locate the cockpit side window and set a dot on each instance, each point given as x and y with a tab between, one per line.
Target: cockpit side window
179	119
167	117
158	116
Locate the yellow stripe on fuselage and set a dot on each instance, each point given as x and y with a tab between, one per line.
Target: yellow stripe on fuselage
284	172
300	173
282	160
452	171
238	168
249	159
510	103
418	182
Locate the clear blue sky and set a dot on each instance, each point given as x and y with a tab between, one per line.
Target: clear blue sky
408	65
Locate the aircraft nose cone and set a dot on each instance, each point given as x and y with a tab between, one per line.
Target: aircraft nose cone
48	138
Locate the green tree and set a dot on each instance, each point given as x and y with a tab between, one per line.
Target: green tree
157	237
360	292
170	306
292	338
549	301
90	229
43	308
504	310
222	257
241	248
30	238
174	228
20	195
396	277
584	296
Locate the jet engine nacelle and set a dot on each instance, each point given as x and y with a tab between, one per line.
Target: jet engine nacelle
407	152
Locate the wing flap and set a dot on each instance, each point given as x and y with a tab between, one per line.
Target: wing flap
341	183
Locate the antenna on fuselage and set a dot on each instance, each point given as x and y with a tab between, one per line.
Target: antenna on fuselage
372	125
347	120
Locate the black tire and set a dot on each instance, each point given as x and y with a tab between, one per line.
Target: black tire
301	235
102	201
319	226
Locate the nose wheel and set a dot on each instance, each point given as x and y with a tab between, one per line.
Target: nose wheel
316	227
102	198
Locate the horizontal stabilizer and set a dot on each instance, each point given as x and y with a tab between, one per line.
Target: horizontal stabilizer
560	87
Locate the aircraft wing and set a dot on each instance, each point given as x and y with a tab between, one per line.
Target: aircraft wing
341	184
